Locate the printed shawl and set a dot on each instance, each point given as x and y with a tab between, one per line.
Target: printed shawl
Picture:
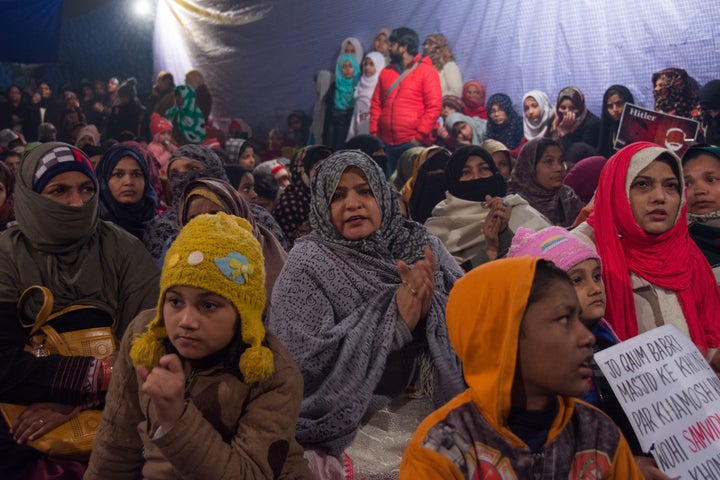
188	118
608	126
334	309
397	238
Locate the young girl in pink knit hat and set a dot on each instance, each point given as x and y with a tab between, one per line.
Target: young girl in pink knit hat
162	145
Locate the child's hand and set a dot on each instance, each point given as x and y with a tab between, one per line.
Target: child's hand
165	385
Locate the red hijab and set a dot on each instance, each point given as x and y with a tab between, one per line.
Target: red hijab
474	108
670	260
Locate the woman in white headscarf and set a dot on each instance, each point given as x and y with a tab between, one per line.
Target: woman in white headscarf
371	66
352	46
537	112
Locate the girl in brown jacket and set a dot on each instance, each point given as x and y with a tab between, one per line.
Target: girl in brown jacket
199	389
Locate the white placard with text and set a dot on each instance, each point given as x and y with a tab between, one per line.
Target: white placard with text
672	399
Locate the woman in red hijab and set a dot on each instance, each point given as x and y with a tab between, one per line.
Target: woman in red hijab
473	97
653	271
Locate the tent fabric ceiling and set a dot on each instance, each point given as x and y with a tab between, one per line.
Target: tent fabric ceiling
263	66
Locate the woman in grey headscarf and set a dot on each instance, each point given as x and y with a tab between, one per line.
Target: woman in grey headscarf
352	313
186	164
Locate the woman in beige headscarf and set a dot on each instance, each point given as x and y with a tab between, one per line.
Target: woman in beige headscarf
436	47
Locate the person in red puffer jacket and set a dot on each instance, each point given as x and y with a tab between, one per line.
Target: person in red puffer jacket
407	100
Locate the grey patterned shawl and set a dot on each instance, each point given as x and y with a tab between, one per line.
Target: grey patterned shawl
334	309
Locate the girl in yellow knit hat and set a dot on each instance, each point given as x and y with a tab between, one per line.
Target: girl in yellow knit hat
199	387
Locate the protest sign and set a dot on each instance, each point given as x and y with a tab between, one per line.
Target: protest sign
669	131
671	397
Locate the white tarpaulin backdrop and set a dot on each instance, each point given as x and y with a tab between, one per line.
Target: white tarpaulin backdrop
259	57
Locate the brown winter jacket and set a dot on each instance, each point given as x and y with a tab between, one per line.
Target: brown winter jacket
229	430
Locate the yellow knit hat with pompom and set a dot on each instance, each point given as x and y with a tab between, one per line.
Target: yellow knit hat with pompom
217	253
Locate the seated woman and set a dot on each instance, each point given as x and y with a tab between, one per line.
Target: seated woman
701	167
293	206
240	152
60	243
710	112
466	130
210	195
473	99
127	197
504	124
354	315
614	101
573	122
537	114
538	178
199	385
406	164
426	188
187	163
653	272
675	92
352	46
244	182
406	189
7	188
476	221
501	155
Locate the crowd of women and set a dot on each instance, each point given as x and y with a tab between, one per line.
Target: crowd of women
307	313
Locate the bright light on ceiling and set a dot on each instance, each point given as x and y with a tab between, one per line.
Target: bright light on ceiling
143	8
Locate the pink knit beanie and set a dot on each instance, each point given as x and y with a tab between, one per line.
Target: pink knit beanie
553	243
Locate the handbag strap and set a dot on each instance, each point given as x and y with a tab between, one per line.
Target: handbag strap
45	315
400	79
45	312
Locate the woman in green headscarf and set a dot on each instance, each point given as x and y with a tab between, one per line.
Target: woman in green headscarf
188	121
